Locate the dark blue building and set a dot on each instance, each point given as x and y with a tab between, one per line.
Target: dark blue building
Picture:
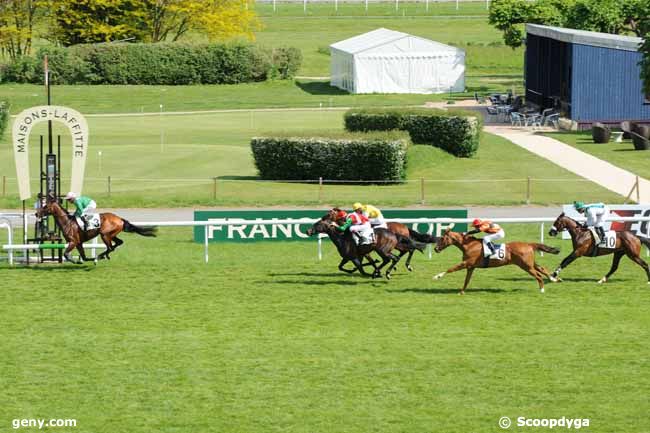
591	77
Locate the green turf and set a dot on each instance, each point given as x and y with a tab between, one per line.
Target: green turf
620	154
198	148
267	339
358	9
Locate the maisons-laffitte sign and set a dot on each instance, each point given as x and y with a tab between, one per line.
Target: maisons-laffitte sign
22	127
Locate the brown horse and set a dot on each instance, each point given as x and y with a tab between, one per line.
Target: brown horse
402	230
627	243
111	225
349	251
521	254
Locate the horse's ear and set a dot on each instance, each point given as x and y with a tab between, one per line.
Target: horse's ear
562	214
50	196
447	230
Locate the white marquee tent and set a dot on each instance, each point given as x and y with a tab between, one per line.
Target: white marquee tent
386	61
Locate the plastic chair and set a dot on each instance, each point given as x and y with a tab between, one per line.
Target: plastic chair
552	119
492	112
516	119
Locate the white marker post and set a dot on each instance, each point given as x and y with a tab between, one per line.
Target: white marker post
99	159
162	133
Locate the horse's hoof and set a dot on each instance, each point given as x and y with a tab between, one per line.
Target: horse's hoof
541	290
388	276
602	280
410	269
552	279
439	276
461	293
95	261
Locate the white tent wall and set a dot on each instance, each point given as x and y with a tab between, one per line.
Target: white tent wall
386	61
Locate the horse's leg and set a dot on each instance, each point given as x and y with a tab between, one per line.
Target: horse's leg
395	260
117	243
618	255
535	273
542	270
468	277
359	267
82	253
109	247
639	261
66	253
458	267
555	276
341	268
408	261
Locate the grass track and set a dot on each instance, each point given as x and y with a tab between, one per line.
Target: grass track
267	339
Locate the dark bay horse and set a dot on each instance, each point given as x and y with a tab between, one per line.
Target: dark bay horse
349	251
627	243
111	225
521	254
403	230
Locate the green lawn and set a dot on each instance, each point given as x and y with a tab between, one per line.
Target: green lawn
358	10
197	148
620	154
267	339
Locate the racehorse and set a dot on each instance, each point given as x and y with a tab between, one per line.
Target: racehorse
402	230
349	251
111	225
521	254
627	243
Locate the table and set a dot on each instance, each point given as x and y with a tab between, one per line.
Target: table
617	137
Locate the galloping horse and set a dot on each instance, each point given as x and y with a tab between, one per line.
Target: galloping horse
384	244
627	243
521	254
111	225
402	230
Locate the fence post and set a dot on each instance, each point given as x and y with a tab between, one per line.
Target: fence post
214	188
320	190
528	181
109	186
638	193
541	237
4	186
205	244
421	190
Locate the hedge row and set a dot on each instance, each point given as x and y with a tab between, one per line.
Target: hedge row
4	116
332	156
456	131
162	64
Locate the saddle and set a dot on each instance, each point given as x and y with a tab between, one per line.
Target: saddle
608	242
499	253
364	237
94	222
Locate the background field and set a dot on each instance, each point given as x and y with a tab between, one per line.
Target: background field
268	339
198	148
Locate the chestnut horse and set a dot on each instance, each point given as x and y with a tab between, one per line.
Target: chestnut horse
402	230
627	243
521	254
111	225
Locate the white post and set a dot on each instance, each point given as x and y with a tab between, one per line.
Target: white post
99	157
396	5
541	237
430	248
162	134
456	4
10	239
205	243
320	248
427	7
274	6
487	4
304	6
366	6
336	5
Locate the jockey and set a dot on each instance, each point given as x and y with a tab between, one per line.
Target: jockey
596	213
85	207
493	230
357	222
372	213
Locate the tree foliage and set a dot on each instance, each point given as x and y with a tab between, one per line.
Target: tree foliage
16	24
644	29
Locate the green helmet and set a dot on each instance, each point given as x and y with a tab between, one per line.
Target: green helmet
578	205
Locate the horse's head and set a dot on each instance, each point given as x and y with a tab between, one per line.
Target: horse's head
447	238
46	206
327	222
561	223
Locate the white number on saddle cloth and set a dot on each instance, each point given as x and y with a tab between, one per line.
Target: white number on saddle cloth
93	221
499	254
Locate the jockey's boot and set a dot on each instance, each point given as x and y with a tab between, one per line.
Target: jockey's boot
85	220
492	248
601	233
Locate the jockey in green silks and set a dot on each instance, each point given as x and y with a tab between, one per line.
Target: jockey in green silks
85	206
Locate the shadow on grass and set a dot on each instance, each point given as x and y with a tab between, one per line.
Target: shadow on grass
320	88
86	267
448	291
325	282
311	274
565	280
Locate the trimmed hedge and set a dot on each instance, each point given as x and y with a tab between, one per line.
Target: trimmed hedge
456	131
156	64
4	116
332	156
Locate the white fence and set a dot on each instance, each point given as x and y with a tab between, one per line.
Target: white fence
414	221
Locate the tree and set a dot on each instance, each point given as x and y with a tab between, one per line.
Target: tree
16	26
509	16
91	21
644	30
218	19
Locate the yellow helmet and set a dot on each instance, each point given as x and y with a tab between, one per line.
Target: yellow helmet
357	206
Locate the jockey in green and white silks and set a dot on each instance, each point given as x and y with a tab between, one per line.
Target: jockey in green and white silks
596	213
85	206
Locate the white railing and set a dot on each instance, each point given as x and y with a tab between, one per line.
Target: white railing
414	221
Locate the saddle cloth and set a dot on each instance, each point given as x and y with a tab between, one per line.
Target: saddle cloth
608	242
93	221
499	254
364	237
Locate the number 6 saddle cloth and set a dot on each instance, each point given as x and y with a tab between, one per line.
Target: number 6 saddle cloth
499	252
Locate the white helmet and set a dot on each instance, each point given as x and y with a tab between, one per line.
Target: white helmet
70	196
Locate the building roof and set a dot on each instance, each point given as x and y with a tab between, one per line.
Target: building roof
393	42
583	37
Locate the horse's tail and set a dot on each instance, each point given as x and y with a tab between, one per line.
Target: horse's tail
645	241
546	248
144	231
411	244
422	237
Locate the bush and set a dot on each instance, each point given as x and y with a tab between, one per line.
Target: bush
332	156
455	131
156	64
4	116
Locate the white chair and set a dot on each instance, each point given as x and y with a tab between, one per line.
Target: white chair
516	119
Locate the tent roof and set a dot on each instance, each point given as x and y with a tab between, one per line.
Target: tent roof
381	36
583	37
